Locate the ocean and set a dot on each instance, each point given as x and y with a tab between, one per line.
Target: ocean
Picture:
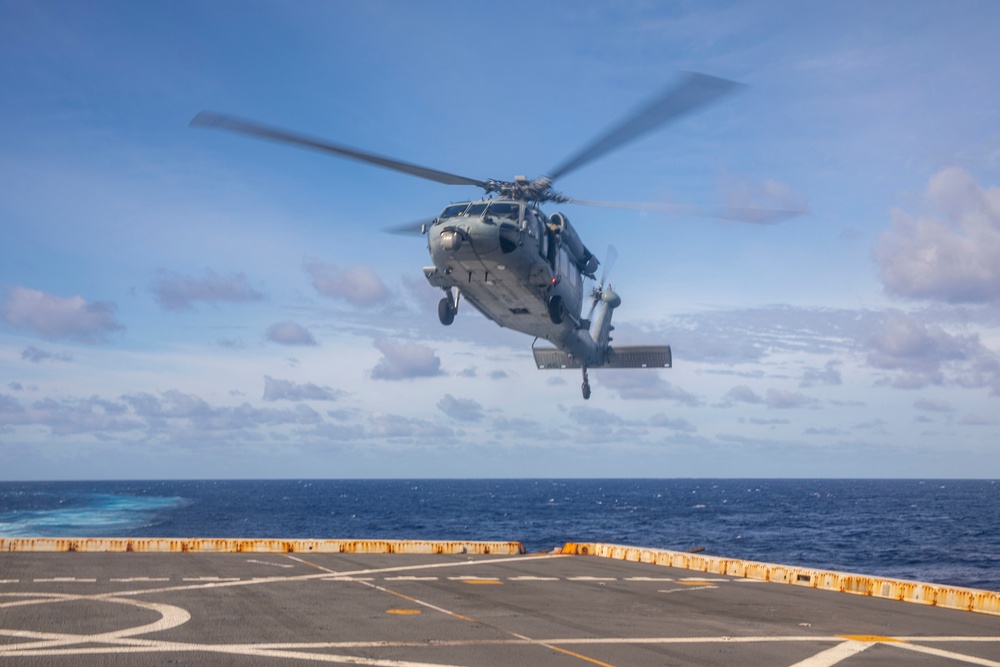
941	531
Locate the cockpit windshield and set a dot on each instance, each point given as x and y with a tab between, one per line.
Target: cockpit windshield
498	209
505	209
454	210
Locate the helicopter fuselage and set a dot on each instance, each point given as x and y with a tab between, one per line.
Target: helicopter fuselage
518	267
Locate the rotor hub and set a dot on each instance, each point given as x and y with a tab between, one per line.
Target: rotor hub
537	190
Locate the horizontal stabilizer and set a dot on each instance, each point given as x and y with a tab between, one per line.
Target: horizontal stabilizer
633	356
548	358
639	356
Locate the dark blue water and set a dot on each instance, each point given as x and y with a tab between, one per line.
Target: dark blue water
940	531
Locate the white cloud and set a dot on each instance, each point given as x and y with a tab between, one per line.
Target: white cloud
933	405
661	420
70	416
741	394
35	355
359	285
176	292
590	416
773	398
461	409
784	400
644	384
286	390
396	426
974	419
290	333
173	411
403	361
903	342
52	316
829	375
764	202
954	258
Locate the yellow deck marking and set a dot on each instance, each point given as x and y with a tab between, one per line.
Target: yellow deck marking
869	638
482	581
466	618
402	612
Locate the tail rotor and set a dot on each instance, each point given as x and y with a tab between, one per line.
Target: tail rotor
595	294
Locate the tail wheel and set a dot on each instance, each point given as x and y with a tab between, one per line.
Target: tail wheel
445	312
557	309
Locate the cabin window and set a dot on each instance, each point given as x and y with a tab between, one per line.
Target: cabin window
454	210
476	210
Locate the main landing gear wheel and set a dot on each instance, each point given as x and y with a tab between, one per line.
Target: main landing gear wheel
557	309
446	312
586	385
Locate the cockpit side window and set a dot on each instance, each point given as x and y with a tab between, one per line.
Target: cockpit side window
505	209
476	210
453	210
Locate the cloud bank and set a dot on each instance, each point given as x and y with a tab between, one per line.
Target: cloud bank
290	333
56	317
358	285
177	292
952	257
404	361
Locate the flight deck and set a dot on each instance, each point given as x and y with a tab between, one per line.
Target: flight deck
221	602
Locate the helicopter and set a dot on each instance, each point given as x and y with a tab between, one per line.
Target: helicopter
519	267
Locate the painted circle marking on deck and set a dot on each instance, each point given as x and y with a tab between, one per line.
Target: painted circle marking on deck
171	616
832	650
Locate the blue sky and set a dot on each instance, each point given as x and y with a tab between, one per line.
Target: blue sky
182	303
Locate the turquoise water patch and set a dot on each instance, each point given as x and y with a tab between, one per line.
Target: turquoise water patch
47	514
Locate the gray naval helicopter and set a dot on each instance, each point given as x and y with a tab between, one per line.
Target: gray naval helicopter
516	265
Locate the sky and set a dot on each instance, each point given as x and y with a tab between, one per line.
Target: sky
179	302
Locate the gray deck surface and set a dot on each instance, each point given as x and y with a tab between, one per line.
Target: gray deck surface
239	608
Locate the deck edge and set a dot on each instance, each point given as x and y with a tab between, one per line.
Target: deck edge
254	545
949	597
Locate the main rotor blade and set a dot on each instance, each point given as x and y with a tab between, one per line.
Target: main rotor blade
609	261
415	228
694	91
756	216
221	121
